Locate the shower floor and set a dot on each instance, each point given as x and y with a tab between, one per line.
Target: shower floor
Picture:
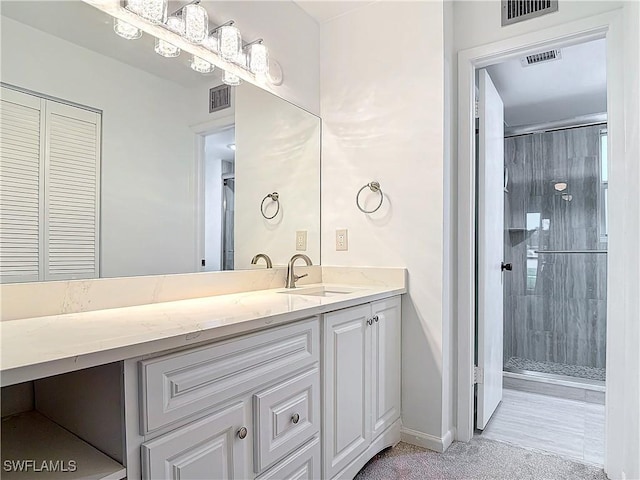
579	371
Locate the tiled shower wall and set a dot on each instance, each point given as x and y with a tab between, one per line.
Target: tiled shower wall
555	304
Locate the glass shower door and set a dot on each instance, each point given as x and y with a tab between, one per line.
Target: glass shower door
555	210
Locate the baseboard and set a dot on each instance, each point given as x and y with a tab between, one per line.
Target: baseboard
424	440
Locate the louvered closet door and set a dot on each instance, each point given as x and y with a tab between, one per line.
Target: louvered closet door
72	192
21	181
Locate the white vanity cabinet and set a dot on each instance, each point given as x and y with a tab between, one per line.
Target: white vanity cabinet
361	383
235	409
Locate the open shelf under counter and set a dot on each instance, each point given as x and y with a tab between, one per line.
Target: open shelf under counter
35	447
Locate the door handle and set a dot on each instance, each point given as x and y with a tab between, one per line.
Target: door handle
506	266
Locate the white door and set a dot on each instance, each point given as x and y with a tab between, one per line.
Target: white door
214	448
490	249
385	365
346	429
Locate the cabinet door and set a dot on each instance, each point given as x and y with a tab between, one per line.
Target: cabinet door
347	344
385	364
210	449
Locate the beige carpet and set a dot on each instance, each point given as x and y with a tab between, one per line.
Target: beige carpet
479	459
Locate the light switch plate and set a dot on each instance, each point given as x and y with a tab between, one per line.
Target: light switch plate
342	240
301	240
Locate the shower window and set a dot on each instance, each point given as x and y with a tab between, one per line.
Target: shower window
604	186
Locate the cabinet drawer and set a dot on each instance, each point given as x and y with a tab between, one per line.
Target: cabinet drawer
285	415
180	386
208	448
304	464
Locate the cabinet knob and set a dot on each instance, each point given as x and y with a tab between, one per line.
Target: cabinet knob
370	321
376	318
242	433
295	418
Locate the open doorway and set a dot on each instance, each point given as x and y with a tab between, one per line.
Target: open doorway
542	241
218	167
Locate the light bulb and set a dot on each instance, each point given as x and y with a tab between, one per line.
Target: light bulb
232	79
165	49
200	65
229	42
126	30
258	58
196	23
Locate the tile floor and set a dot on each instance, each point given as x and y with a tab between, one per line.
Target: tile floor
571	428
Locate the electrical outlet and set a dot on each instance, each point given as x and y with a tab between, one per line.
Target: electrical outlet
342	240
301	240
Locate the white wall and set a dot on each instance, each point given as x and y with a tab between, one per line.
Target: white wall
147	199
277	150
382	104
479	22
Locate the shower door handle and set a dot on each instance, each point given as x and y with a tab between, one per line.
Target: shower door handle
506	266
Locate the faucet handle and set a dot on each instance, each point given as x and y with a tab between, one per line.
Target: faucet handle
298	277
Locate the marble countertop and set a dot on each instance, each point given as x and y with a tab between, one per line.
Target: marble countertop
43	346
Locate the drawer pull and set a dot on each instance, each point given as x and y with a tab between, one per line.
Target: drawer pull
295	418
242	433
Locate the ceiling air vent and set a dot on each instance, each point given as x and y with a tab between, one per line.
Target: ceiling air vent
514	11
219	98
541	57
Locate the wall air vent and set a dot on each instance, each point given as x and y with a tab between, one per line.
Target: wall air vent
542	57
219	98
514	11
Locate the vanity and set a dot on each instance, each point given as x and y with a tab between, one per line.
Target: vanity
266	384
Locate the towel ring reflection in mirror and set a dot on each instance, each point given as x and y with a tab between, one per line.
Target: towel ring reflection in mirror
275	197
375	188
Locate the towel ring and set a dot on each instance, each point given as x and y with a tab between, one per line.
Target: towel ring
274	197
375	188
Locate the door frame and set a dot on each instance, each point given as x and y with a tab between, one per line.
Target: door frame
607	25
201	131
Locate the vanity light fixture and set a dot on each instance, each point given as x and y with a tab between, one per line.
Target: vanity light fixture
257	57
196	23
232	146
200	65
126	30
191	22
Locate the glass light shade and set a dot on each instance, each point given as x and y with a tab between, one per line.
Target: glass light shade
232	79
258	58
126	30
229	42
155	11
211	42
176	25
166	49
134	5
200	65
196	23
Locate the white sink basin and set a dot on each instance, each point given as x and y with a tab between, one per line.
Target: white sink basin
319	291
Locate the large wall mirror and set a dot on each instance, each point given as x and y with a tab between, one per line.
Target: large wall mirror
110	150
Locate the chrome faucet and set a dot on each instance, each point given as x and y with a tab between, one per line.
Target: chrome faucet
255	259
292	278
